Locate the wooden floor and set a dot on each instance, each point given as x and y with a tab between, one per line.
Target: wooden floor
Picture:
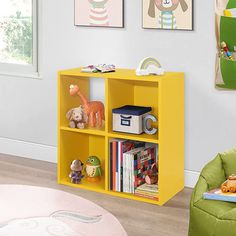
138	219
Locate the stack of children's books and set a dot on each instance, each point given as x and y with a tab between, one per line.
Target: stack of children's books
217	194
103	68
130	162
147	190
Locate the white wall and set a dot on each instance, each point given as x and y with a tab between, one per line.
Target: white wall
28	107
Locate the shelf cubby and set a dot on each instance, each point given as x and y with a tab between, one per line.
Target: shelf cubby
80	146
165	94
138	93
67	101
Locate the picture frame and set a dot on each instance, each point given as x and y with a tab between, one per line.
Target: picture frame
167	14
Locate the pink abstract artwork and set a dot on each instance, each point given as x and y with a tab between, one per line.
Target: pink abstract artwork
100	13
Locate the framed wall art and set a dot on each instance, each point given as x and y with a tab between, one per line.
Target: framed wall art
99	13
168	14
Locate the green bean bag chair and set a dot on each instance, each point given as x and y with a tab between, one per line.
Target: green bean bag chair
208	217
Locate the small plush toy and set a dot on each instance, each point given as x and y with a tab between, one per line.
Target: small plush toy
93	109
229	185
153	177
93	169
76	171
77	118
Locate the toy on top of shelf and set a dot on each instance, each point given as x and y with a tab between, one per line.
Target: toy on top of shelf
103	68
77	118
229	185
89	69
153	177
226	49
149	66
93	169
147	126
76	171
93	109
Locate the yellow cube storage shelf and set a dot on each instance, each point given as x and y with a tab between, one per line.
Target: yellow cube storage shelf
165	94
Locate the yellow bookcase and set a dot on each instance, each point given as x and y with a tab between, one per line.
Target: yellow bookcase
165	94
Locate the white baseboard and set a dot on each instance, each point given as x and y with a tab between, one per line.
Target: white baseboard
190	178
49	153
29	150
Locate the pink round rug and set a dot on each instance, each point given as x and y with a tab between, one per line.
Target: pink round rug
36	211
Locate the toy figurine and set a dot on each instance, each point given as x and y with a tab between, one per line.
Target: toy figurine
152	178
76	171
77	118
227	52
229	185
94	109
93	169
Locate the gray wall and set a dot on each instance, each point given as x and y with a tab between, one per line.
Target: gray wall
28	107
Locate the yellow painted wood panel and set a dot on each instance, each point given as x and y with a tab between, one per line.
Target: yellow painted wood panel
120	74
171	134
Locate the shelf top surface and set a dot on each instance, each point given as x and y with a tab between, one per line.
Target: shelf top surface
125	74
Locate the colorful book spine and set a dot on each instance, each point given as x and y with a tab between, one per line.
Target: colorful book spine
113	165
117	167
127	172
121	165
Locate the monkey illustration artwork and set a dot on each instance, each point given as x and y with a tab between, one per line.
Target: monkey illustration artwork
167	19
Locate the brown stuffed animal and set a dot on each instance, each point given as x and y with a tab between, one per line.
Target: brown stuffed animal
229	185
153	177
76	171
77	118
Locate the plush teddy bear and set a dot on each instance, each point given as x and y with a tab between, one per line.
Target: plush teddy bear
77	118
229	185
152	178
76	171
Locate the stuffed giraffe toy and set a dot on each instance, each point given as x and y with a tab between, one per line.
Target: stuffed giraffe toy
93	109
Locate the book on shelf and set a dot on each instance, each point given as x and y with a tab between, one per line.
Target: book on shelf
137	165
117	148
217	194
151	188
148	191
130	161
